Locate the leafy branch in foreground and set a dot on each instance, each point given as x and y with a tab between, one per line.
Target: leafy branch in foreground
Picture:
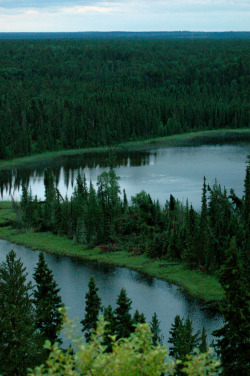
133	356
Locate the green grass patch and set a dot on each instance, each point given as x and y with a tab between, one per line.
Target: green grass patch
6	213
186	139
202	286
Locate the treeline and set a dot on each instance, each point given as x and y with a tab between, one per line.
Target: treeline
103	217
63	94
126	34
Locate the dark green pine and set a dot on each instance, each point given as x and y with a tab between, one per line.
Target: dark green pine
139	318
110	327
233	343
47	301
203	341
182	340
92	309
156	331
123	319
19	342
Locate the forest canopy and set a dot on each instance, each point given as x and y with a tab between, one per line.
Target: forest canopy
63	94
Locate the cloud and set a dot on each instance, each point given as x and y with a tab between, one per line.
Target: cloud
125	15
86	9
172	4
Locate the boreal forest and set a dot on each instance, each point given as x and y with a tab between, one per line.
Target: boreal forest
106	219
63	94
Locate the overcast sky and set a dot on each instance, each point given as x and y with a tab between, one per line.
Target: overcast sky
124	15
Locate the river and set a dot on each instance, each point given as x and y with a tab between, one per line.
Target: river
148	294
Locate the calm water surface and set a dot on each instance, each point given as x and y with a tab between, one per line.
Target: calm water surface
161	172
177	171
148	294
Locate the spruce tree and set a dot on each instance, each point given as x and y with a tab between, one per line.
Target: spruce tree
191	239
19	345
47	301
182	340
233	342
123	318
156	331
139	318
203	237
50	196
92	309
203	341
109	328
246	202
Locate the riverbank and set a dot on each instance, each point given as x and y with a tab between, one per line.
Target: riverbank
220	136
197	284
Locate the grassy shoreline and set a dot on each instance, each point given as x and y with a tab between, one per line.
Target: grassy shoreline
218	136
199	285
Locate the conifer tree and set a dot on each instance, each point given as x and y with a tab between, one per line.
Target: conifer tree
139	318
156	331
108	314
203	341
50	196
19	344
182	340
47	301
246	224
92	309
93	217
123	319
246	207
191	252
233	342
203	237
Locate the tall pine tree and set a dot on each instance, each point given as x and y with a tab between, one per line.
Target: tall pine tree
92	309
47	301
123	318
19	345
233	343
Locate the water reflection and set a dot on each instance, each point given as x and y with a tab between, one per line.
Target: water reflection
148	294
161	172
66	168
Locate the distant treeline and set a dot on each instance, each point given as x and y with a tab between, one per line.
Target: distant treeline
127	34
63	94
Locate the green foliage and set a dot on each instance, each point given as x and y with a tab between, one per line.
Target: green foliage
47	302
133	356
62	94
177	232
183	341
123	318
19	341
203	341
233	342
109	330
157	337
92	309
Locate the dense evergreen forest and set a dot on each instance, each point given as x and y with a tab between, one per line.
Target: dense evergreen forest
63	94
103	217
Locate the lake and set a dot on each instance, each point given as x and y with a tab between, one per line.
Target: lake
160	172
